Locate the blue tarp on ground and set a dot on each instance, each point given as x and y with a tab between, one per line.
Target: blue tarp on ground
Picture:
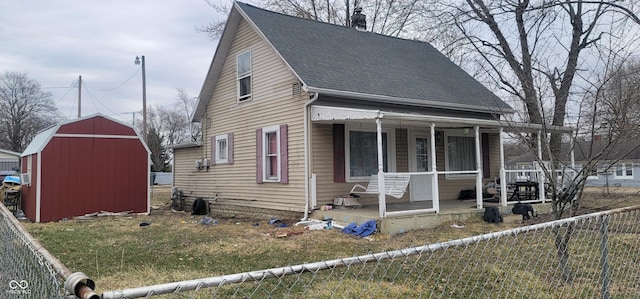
364	230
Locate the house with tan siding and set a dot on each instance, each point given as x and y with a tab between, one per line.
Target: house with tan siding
295	112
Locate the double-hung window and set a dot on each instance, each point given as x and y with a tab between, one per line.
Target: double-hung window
272	154
624	171
222	148
460	154
244	76
362	152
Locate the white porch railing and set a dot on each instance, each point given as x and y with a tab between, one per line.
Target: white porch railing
435	197
513	178
435	192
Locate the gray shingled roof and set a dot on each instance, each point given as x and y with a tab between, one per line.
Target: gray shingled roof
341	59
346	63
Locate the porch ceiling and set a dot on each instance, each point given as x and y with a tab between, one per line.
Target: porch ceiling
328	114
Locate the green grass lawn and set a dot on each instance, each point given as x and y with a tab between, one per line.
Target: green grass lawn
116	252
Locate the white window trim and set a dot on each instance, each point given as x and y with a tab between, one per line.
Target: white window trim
219	138
249	96
28	172
391	150
265	146
624	175
458	133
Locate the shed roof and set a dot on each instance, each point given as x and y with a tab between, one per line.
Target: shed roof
43	137
342	61
40	140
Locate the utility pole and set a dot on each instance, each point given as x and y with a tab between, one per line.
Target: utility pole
144	99
79	95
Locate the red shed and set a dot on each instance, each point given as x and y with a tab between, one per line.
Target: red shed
86	165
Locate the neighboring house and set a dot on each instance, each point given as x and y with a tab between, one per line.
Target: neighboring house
619	167
292	109
82	166
9	163
162	178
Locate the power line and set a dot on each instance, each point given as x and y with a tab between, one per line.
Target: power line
114	88
94	100
56	87
64	95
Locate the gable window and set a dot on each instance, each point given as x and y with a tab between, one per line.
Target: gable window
222	148
272	154
362	153
460	154
244	76
624	171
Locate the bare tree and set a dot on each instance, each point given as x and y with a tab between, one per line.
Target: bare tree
170	125
185	107
24	110
396	18
542	55
617	102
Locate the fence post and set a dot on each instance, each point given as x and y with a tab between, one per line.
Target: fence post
604	256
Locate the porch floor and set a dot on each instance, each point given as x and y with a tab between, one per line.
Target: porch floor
451	212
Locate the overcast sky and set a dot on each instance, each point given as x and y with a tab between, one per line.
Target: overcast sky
55	41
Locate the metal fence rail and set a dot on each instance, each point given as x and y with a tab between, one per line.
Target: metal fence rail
28	270
599	260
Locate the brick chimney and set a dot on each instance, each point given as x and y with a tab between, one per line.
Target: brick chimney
359	20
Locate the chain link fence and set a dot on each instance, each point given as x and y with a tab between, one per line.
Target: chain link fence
28	270
589	256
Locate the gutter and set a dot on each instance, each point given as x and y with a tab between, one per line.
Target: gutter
306	155
405	101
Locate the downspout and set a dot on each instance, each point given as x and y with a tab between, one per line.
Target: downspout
306	155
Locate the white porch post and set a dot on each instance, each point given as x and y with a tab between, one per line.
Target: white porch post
503	174
382	205
435	193
478	169
541	176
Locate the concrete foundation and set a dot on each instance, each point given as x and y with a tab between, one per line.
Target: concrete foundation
453	212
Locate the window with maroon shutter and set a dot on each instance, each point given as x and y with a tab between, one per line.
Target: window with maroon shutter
259	150
272	154
222	149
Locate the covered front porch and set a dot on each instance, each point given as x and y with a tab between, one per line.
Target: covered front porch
446	155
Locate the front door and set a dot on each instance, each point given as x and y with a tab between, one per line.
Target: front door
419	161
